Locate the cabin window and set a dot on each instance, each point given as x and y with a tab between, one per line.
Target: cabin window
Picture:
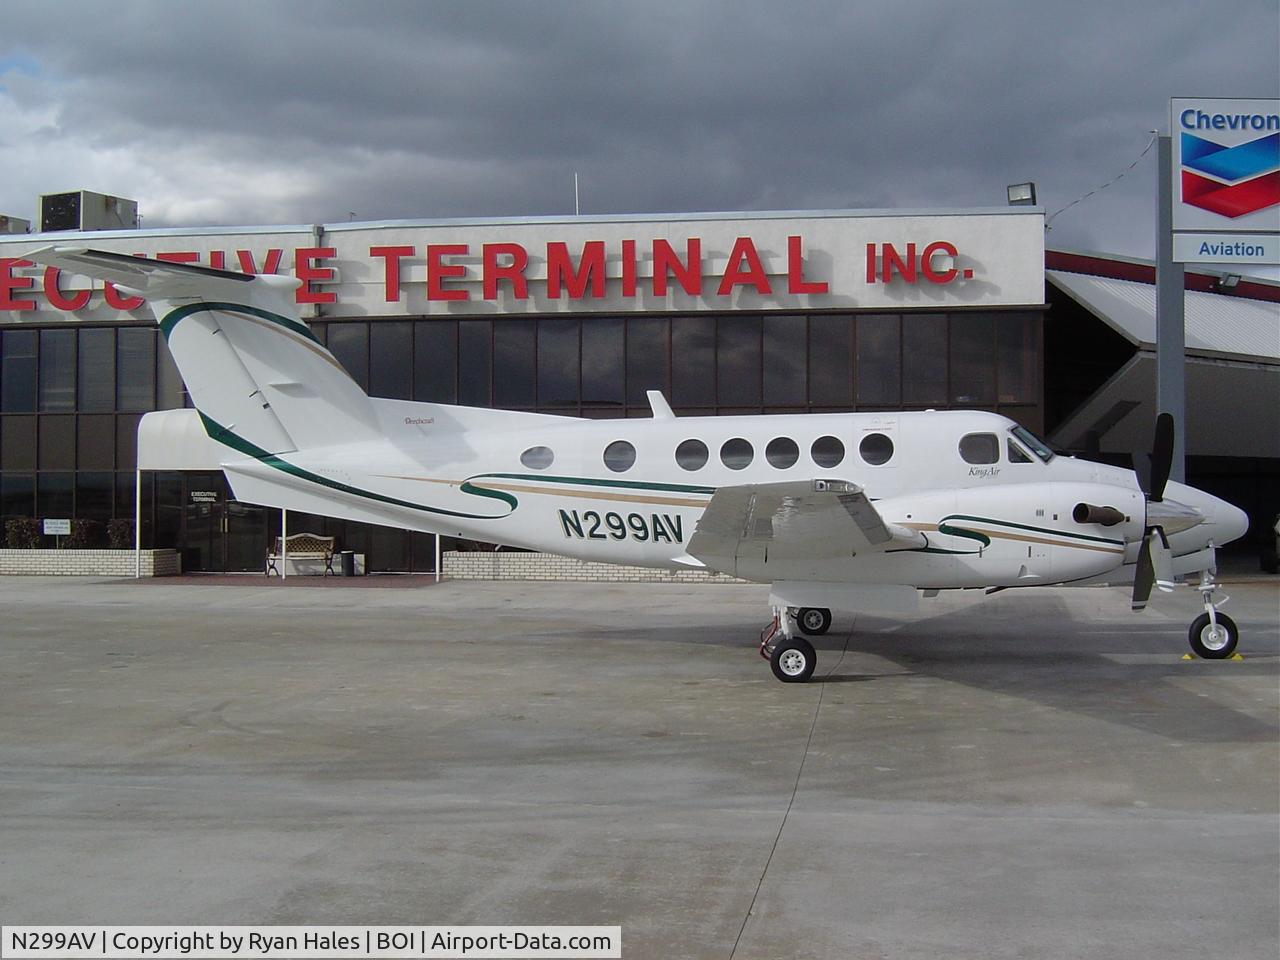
619	456
692	454
737	454
782	452
876	448
979	448
1016	453
827	452
537	458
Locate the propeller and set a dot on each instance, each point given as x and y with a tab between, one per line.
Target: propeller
1161	465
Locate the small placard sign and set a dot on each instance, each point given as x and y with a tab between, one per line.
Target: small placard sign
57	528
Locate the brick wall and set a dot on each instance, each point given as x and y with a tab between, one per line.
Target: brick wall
549	566
88	563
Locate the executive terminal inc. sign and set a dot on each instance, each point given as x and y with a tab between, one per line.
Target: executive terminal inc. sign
1226	169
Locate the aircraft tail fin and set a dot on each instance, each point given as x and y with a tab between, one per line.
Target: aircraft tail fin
253	368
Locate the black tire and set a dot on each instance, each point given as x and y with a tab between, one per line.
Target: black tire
815	621
793	660
1205	645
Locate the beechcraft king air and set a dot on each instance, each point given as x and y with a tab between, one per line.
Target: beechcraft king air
841	510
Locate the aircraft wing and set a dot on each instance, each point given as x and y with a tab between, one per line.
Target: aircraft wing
804	520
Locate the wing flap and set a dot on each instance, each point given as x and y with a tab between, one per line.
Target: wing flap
811	520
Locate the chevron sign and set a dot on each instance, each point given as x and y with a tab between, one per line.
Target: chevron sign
1228	164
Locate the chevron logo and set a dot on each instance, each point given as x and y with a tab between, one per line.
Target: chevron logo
1231	180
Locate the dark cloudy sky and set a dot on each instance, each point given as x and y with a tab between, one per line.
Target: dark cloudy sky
288	112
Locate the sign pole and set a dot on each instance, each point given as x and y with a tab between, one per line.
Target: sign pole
1171	361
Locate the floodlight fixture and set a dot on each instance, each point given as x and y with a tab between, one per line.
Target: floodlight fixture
1021	194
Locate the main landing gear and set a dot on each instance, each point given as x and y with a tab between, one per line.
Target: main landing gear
1213	635
792	657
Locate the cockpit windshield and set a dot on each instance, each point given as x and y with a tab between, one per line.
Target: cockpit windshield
1033	443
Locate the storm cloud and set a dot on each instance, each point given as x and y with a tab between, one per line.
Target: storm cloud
250	113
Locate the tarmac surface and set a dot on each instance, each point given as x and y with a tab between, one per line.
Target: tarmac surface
1034	774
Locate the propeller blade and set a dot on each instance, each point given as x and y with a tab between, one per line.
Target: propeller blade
1145	576
1161	457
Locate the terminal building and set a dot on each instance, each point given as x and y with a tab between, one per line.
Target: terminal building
725	313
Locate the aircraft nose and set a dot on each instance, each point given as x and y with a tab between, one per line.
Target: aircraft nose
1229	521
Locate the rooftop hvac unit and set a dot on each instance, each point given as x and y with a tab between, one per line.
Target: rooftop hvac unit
83	210
14	224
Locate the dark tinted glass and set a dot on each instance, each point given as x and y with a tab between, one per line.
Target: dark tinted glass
474	362
619	456
737	454
972	359
785	350
924	358
57	369
1017	358
17	495
876	448
557	361
169	387
18	444
96	441
738	360
692	454
646	357
93	495
829	356
782	452
54	493
391	359
18	371
97	363
827	452
58	442
693	343
135	369
879	363
349	342
435	361
602	360
979	448
514	343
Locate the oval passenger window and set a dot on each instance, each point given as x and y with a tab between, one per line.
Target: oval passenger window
737	454
782	452
692	454
619	456
537	458
876	448
979	448
827	452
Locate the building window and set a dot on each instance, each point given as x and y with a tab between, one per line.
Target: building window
57	370
737	454
782	452
924	359
391	359
1018	357
475	362
435	361
693	361
785	348
349	343
972	360
136	369
827	452
646	357
829	355
558	362
603	366
18	371
96	380
879	360
619	456
514	346
738	361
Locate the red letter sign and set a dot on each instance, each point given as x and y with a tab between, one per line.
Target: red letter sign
590	268
514	271
391	278
796	282
687	274
9	284
437	270
304	267
744	268
53	294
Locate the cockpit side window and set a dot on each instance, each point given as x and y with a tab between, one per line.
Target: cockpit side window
1032	443
979	448
1016	453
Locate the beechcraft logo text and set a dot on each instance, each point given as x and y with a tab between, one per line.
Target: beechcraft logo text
1235	177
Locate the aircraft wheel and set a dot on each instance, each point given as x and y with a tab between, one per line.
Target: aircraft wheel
815	621
1214	644
793	660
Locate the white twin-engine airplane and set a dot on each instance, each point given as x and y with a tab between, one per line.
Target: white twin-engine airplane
841	510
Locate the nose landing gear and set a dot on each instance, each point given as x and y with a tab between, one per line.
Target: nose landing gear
1213	635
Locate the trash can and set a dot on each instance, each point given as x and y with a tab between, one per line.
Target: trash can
348	562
